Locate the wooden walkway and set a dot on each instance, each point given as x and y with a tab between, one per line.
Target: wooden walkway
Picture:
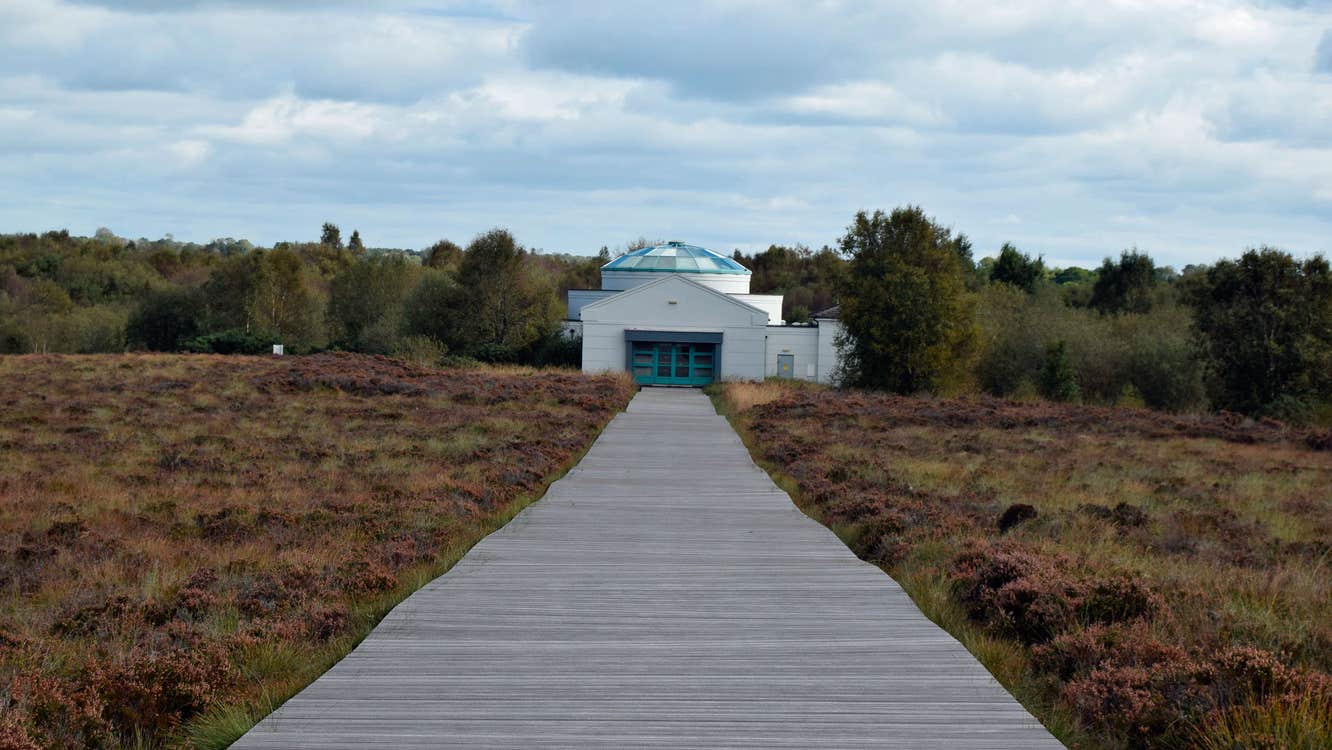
664	594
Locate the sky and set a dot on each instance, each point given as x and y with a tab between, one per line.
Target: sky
1190	129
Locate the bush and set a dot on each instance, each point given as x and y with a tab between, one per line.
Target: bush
232	341
153	690
493	353
422	350
557	350
1152	353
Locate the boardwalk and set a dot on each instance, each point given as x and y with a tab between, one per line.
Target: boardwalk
664	594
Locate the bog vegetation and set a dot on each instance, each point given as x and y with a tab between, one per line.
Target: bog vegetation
1138	580
188	540
1252	335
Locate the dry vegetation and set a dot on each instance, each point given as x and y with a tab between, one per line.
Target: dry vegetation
187	540
1137	579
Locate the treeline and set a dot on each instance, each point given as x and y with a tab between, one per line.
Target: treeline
493	300
1252	335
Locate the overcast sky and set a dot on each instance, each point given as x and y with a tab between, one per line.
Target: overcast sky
1191	129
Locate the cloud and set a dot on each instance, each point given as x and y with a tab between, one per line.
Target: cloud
238	50
1188	129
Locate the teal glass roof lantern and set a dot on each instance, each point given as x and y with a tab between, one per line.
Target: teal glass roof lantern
675	257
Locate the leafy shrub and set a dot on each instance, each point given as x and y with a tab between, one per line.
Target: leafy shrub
232	341
1122	644
1015	591
1035	597
1152	353
557	350
494	353
154	689
1143	706
1116	599
421	350
44	711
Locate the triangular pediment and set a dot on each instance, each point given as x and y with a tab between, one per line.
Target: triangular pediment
674	300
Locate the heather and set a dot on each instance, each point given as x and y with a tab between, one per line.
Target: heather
187	540
1138	580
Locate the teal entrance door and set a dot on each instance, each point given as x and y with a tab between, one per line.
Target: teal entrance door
661	363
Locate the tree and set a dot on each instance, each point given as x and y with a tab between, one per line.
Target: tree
1058	381
508	303
287	303
805	278
909	321
443	254
354	244
231	293
165	320
1125	286
366	300
1017	268
963	248
331	236
1265	324
266	294
434	309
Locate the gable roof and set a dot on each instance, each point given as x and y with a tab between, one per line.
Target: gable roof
674	278
831	313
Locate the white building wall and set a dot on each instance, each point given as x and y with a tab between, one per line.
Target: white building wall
742	353
603	347
730	283
769	303
800	341
829	329
676	305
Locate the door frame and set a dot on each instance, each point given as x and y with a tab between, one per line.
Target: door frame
638	336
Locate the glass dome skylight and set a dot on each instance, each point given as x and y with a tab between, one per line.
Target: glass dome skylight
675	257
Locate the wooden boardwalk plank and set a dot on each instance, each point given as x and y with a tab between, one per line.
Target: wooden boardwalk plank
664	594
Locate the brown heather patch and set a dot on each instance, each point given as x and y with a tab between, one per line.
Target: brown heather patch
187	536
1164	581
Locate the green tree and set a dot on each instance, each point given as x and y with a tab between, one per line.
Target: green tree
508	303
1265	324
331	236
1125	286
1058	381
288	302
434	310
909	321
267	294
1017	268
443	254
354	244
231	293
164	320
366	302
